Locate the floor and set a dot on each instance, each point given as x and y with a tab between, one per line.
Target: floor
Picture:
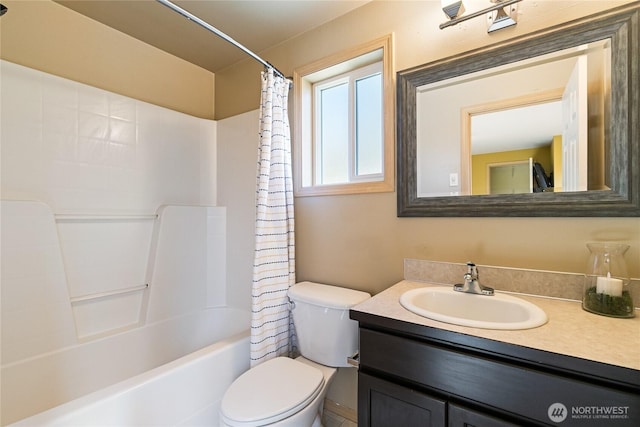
331	419
337	417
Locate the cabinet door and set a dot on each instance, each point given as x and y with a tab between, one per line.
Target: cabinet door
463	417
385	404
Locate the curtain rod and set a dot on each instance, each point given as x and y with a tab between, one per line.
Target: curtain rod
217	32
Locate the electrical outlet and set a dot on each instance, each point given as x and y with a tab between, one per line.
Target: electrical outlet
453	180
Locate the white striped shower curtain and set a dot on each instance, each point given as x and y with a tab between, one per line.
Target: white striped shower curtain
272	331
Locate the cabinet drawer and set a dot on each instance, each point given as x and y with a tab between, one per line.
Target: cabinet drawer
518	390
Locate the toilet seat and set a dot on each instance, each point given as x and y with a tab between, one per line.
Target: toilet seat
270	392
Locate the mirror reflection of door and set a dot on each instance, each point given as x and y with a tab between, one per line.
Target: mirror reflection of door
574	133
510	177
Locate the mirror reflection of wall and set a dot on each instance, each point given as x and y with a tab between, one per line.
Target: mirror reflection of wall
514	112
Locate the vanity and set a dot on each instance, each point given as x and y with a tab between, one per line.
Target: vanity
577	369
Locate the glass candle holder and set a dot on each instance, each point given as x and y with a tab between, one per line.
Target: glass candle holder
606	284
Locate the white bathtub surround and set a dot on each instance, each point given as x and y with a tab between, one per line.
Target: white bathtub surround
83	150
274	259
113	254
35	309
104	164
44	339
184	392
189	272
42	308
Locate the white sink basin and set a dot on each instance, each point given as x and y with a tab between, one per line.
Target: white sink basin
498	311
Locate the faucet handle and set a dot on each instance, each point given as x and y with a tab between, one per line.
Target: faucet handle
472	270
471	284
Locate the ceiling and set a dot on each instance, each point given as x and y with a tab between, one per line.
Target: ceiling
256	24
531	126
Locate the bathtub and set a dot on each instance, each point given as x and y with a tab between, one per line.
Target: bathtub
173	372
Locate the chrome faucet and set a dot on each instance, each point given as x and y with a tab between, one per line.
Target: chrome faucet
471	282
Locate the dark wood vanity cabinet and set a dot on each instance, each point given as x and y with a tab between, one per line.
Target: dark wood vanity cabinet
385	404
415	380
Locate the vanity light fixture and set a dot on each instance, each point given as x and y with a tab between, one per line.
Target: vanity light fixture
501	15
452	8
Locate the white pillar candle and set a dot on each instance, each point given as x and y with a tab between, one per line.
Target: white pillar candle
610	286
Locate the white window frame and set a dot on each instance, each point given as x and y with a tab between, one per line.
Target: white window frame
336	66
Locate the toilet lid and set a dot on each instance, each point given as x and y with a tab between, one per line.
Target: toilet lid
270	392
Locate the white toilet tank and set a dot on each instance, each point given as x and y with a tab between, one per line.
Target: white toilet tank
325	333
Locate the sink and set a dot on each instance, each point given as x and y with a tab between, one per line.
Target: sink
498	311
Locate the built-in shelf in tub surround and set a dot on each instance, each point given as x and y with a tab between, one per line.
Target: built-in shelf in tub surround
570	331
74	277
107	258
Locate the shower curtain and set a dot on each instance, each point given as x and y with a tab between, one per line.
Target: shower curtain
272	332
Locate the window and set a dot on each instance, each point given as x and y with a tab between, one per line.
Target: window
347	117
344	123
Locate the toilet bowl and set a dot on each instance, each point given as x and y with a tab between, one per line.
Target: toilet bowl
280	392
290	392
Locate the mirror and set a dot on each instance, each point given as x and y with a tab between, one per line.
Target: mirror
447	164
516	114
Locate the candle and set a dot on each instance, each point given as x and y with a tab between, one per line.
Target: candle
608	285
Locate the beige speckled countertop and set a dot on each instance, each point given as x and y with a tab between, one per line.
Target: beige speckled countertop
570	330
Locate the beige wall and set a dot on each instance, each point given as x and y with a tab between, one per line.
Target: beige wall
46	36
358	241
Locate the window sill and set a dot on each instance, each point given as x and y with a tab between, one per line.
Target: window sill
343	189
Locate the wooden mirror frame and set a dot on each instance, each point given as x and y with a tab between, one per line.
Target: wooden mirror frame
622	148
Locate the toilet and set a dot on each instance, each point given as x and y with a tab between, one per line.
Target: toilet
290	392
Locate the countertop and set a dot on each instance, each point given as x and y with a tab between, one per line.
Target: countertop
570	331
